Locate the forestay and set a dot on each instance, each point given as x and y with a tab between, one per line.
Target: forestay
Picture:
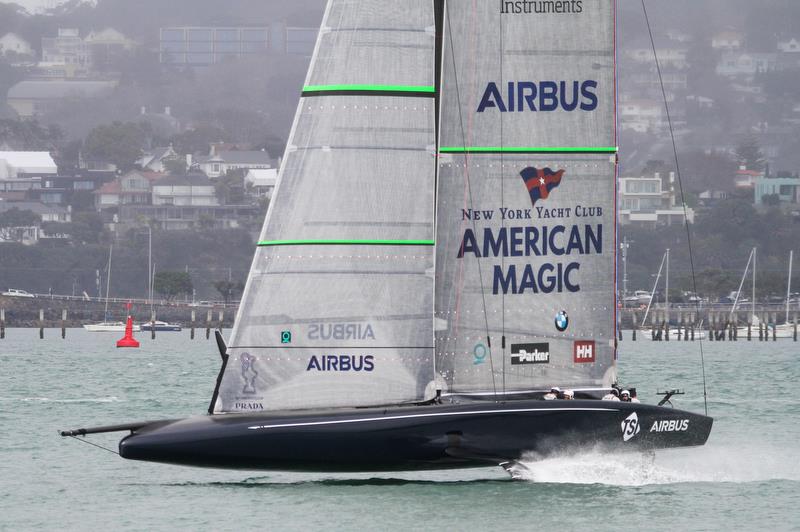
526	216
337	310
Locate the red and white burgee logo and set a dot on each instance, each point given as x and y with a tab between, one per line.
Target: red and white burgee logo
583	351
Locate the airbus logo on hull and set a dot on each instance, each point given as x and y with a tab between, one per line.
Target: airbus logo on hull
543	96
670	425
341	363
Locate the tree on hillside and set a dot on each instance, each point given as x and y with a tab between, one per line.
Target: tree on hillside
171	284
119	143
19	218
749	154
229	289
198	139
175	166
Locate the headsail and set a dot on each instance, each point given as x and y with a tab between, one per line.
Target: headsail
338	304
526	214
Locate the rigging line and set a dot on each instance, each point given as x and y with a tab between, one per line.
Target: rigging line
94	444
683	199
469	190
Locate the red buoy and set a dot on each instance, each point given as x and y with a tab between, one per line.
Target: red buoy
128	340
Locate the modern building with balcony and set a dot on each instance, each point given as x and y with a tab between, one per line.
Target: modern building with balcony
206	45
646	201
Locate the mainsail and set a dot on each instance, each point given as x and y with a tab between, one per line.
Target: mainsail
525	235
338	306
489	124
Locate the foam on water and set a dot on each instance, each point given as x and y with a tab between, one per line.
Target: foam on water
712	463
111	399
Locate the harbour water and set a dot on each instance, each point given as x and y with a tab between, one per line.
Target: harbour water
747	476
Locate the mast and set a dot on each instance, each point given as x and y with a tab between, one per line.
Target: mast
753	300
108	281
666	289
789	285
653	291
741	284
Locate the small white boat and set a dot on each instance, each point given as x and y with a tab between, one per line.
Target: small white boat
160	326
109	326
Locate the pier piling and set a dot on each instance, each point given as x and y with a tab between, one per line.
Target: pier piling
152	324
191	331
208	324
63	323
3	324
41	324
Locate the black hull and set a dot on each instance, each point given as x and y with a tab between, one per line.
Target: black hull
412	438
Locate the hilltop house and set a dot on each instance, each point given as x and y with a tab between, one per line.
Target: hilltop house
153	160
33	97
11	43
133	188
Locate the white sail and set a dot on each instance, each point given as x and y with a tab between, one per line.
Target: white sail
337	310
526	214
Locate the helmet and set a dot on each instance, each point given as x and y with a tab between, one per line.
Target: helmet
569	393
625	392
555	389
615	392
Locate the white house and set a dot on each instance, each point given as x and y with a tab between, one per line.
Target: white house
193	190
218	164
727	40
641	115
13	43
790	46
261	181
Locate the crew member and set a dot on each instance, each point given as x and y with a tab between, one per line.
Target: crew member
625	396
569	395
555	393
613	395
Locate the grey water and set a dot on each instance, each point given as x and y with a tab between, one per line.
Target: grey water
746	477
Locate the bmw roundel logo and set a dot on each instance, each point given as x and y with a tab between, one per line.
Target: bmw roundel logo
562	321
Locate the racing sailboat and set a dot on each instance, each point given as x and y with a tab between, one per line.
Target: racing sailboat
438	254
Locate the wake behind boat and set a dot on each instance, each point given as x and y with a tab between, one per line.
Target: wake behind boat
439	252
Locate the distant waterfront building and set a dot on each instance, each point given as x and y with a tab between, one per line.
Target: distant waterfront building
31	234
66	49
206	45
746	64
645	201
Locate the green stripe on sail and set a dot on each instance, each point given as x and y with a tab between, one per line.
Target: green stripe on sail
371	88
314	242
522	149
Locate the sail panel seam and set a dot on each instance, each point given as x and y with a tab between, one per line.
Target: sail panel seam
528	149
414	91
357	242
